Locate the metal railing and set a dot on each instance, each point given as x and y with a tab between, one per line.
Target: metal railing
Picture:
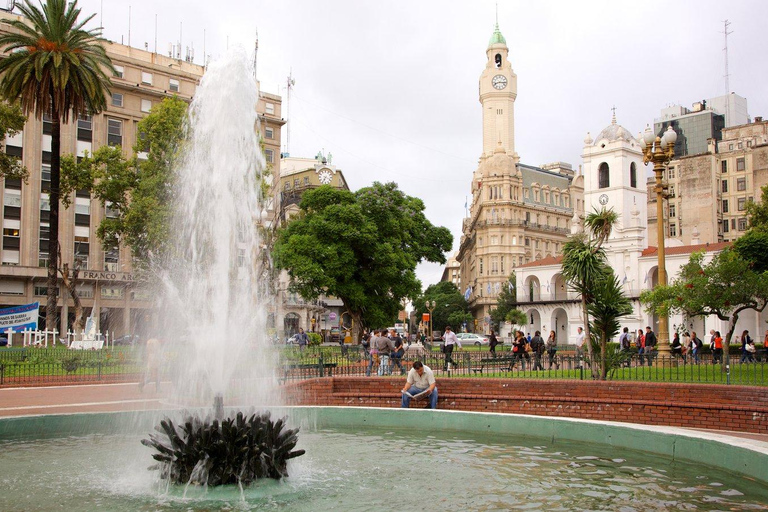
354	361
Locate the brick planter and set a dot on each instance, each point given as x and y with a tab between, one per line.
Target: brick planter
707	406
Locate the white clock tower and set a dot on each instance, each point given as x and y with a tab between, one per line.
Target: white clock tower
498	90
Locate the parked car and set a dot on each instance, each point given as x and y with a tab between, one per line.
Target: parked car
470	337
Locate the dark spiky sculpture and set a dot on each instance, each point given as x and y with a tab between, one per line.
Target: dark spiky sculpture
208	451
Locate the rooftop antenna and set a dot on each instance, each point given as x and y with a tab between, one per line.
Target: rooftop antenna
726	24
155	32
181	25
290	84
129	25
101	11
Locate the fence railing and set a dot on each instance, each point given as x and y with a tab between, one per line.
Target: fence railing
353	361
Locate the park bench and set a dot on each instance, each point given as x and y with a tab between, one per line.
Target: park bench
499	363
309	369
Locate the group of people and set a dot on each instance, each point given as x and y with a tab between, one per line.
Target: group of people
524	347
386	347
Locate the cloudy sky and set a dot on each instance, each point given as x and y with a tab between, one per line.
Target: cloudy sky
390	88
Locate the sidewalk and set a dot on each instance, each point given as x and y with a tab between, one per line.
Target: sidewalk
77	399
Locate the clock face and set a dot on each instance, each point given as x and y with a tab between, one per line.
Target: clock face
499	82
325	177
603	199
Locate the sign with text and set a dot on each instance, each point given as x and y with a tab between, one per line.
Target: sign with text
19	318
425	317
98	275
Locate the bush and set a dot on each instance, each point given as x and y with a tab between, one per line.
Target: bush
314	339
71	363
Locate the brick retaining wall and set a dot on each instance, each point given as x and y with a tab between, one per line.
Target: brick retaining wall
709	406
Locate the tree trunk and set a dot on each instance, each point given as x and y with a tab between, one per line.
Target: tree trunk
727	340
357	327
71	284
588	337
603	357
51	313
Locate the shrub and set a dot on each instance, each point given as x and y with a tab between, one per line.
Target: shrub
314	338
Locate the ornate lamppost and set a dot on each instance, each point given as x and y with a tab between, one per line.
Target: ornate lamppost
659	151
430	307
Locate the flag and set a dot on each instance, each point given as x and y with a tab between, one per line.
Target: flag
467	293
511	286
547	287
497	287
646	276
488	288
625	279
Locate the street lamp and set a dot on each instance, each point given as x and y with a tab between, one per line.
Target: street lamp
430	307
659	151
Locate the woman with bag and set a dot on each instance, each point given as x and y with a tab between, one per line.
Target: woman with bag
552	350
640	343
747	348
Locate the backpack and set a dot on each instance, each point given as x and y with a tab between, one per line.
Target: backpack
699	344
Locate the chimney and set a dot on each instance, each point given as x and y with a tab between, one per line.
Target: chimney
758	119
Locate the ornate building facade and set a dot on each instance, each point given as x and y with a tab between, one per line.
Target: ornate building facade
519	213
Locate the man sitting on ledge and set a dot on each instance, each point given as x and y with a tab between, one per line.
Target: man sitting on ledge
420	384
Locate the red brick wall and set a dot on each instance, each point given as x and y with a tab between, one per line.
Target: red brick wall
717	407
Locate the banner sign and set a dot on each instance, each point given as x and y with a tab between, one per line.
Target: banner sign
19	318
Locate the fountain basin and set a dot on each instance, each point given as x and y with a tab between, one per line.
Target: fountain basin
359	456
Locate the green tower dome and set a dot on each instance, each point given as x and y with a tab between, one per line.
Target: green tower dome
497	38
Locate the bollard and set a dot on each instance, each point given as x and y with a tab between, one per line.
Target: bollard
320	366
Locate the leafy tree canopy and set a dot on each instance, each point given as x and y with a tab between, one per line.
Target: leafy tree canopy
506	300
725	287
137	191
450	306
753	246
362	247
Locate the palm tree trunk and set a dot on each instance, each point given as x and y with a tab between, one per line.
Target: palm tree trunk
51	313
587	333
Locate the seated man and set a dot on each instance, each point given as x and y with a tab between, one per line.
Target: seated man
420	380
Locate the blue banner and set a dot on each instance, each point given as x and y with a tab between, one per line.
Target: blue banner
19	318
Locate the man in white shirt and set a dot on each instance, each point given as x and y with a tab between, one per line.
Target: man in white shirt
420	380
450	340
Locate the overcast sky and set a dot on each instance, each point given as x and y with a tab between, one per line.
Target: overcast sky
391	88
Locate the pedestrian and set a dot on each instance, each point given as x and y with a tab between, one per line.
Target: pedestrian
696	346
712	340
367	337
686	346
676	346
650	343
384	347
397	354
450	340
746	341
420	383
152	364
537	347
518	350
580	340
303	339
552	350
640	343
624	340
492	342
717	352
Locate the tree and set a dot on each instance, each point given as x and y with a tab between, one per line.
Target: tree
361	247
608	305
12	121
53	66
516	317
506	301
585	266
138	191
753	246
724	287
451	307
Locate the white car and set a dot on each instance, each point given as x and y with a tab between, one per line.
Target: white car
470	337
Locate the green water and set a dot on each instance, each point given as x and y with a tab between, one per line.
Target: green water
376	469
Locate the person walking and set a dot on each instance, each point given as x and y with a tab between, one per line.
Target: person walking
303	339
624	347
451	341
492	343
367	337
676	346
537	347
552	350
384	347
717	352
746	343
397	354
686	346
696	346
650	343
640	342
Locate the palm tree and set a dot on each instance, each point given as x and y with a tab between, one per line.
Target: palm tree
54	66
584	265
608	305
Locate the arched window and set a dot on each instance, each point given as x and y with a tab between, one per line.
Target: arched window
633	175
603	178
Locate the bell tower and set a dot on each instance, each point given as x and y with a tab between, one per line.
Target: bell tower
498	90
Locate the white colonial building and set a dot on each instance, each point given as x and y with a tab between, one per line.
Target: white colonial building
615	177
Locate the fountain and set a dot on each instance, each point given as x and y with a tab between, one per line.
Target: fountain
214	317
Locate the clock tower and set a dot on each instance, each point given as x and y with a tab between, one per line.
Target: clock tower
498	90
